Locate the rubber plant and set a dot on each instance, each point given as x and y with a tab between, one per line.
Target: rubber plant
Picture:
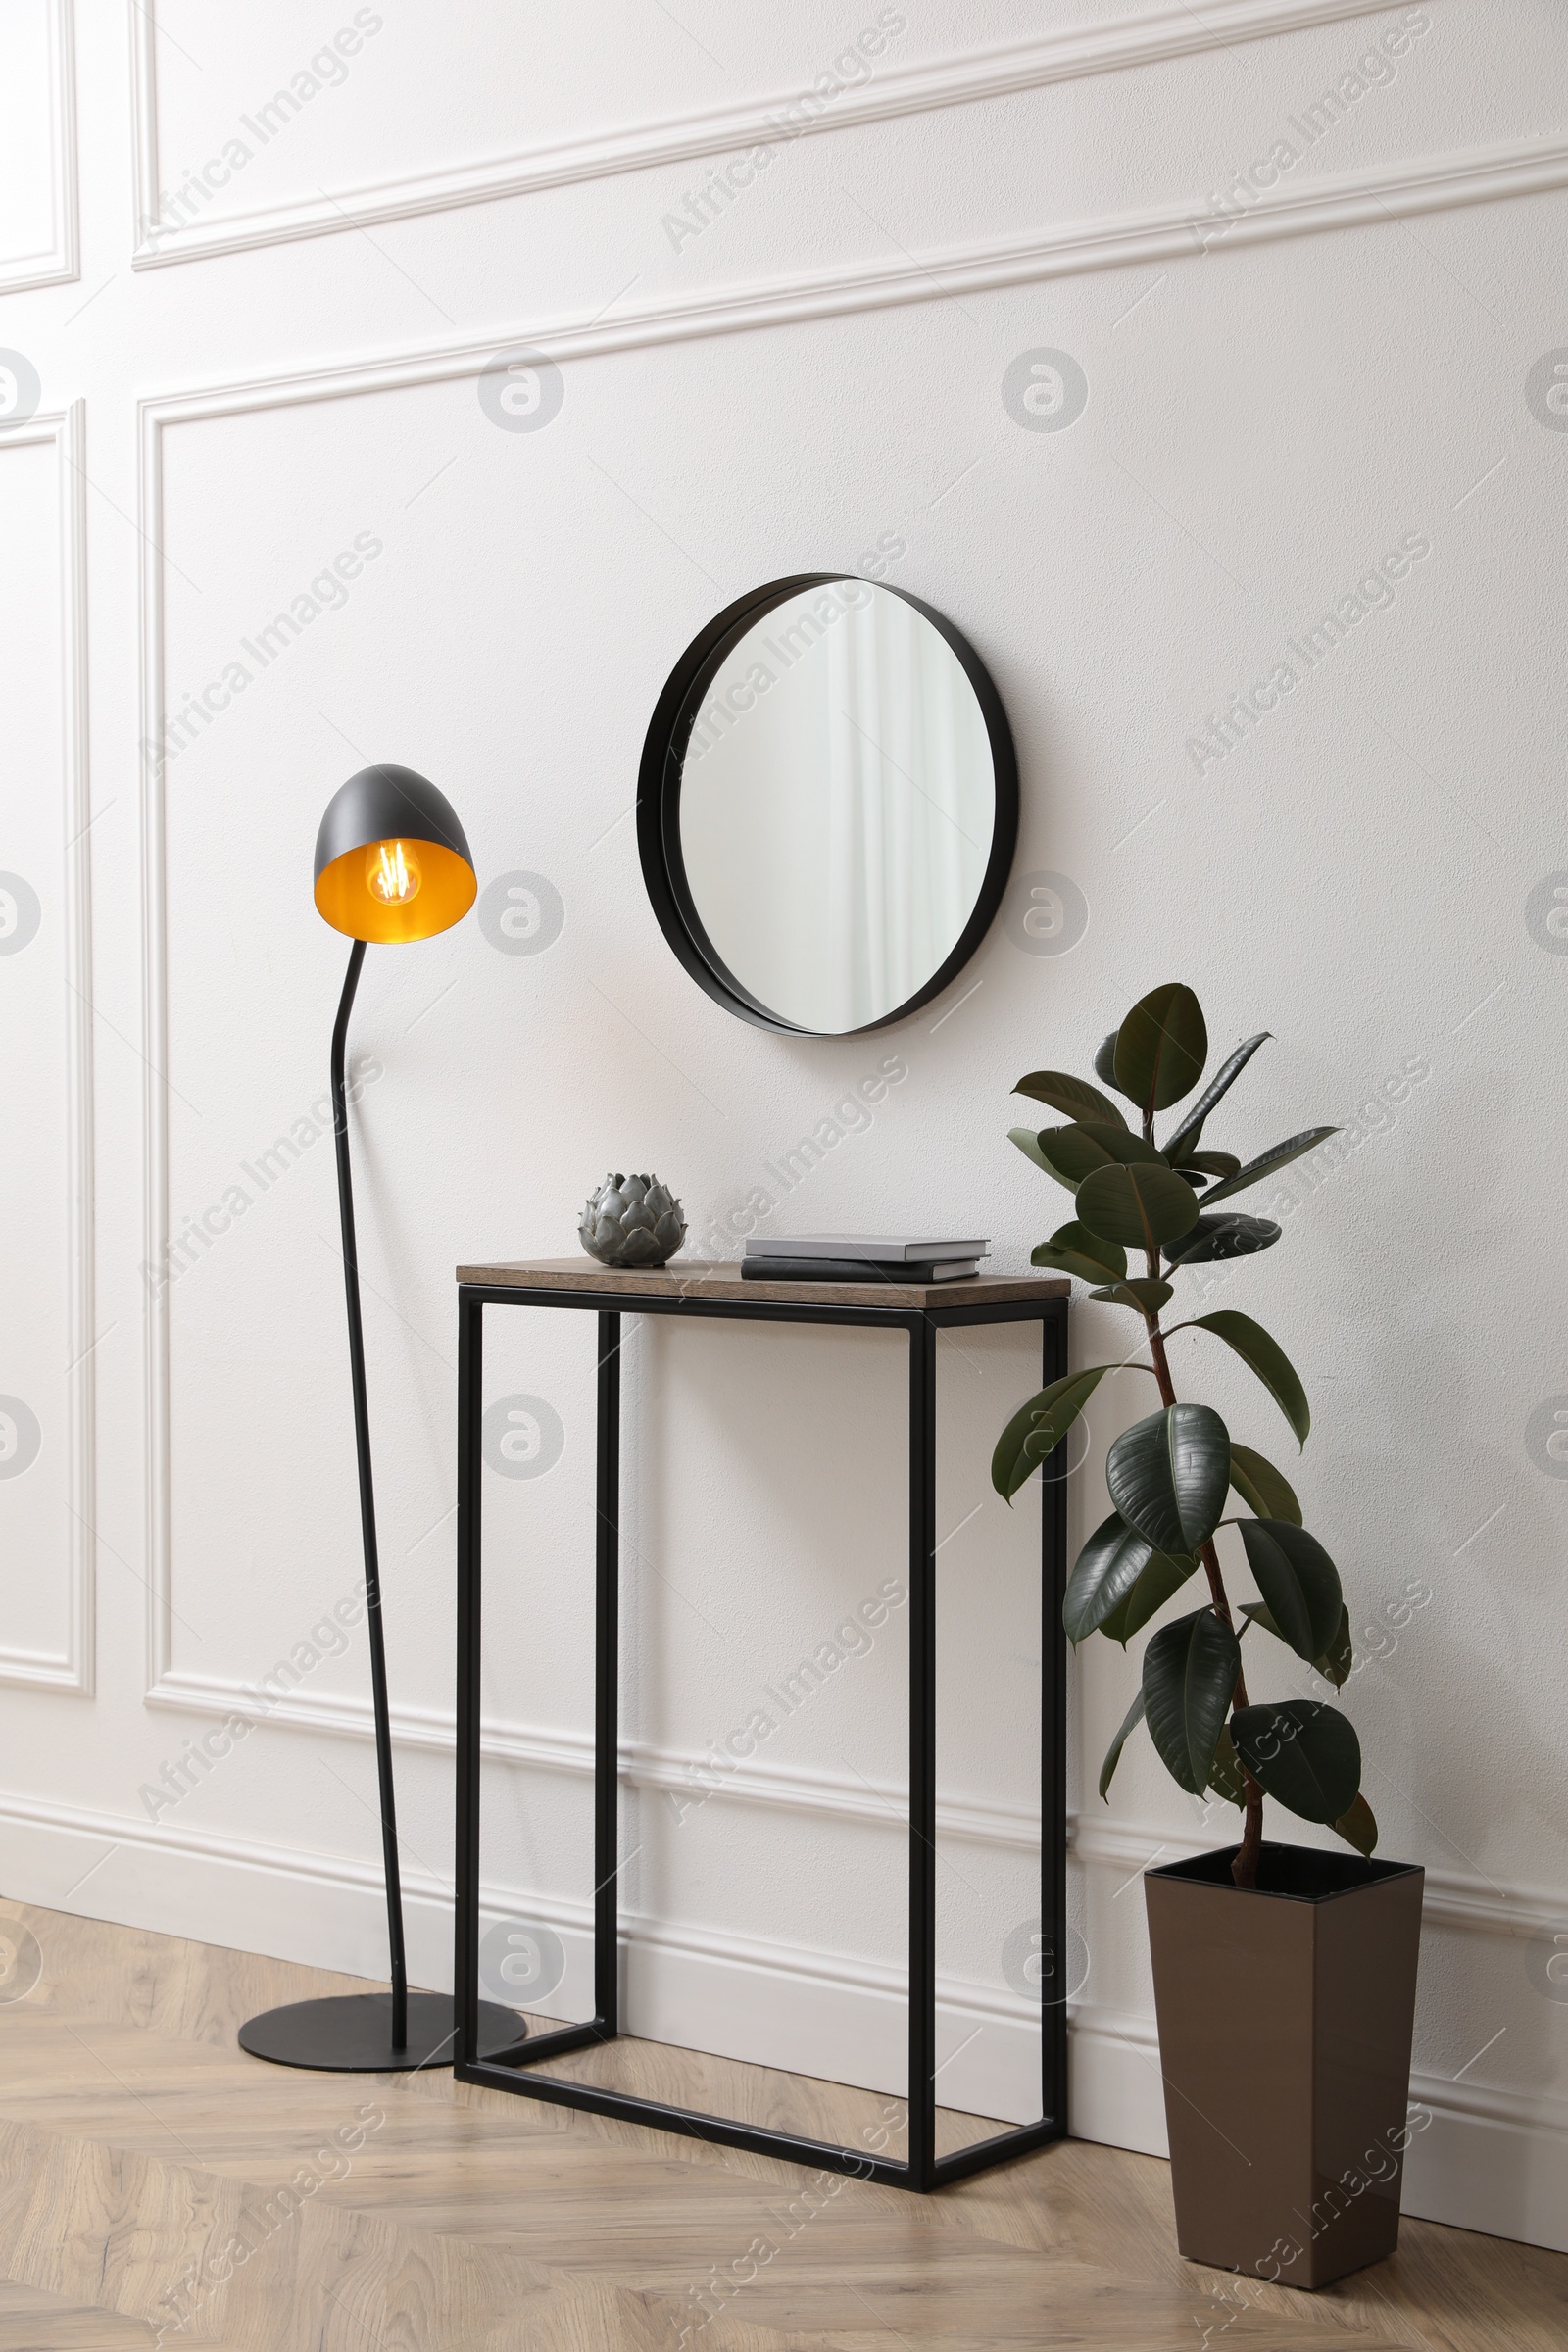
1171	1473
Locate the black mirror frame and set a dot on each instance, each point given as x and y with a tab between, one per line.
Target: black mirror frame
658	801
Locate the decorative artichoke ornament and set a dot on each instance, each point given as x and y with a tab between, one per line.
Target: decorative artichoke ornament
632	1221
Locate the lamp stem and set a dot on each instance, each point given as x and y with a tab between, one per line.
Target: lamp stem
372	1574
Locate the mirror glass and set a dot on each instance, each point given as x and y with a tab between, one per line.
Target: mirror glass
837	812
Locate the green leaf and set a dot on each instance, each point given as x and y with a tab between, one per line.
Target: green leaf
1074	1250
1112	1562
1038	1428
1190	1671
1146	1295
1358	1825
1121	1144
1181	1143
1028	1143
1104	1572
1165	1574
1230	1236
1302	1753
1262	1354
1130	1722
1106	1062
1263	1489
1336	1661
1278	1157
1161	1048
1074	1098
1211	1163
1298	1582
1073	1153
1169	1476
1139	1207
1225	1773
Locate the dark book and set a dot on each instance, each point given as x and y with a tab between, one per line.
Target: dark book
857	1248
849	1269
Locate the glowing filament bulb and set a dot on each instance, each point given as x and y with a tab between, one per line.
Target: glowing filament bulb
392	872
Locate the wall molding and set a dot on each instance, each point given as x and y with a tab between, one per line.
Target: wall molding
423	1886
1153	36
61	265
65	432
1367	198
1463	1899
643	1764
155	1048
142	29
702	1988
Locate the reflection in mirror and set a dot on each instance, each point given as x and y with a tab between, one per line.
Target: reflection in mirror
837	807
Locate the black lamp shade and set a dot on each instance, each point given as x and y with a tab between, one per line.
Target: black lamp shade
392	863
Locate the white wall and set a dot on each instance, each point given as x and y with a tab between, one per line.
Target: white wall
231	394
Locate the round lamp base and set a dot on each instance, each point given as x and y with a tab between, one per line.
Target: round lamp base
351	2033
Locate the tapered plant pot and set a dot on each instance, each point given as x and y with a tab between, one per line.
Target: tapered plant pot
1284	2017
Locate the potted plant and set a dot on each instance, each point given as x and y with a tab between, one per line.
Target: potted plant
1284	1975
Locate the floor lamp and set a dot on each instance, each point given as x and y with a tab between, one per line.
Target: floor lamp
392	865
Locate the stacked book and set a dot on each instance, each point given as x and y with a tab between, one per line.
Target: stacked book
859	1258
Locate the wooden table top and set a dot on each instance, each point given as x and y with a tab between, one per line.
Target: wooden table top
699	1277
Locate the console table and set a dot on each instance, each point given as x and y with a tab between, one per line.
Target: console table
702	1290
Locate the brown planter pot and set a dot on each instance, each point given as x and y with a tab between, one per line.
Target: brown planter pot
1284	2016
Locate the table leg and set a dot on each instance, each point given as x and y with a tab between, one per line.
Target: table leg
465	1958
923	1752
607	1678
1053	1749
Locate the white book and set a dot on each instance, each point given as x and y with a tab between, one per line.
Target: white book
870	1248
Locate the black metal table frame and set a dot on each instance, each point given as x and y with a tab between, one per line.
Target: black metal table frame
507	2069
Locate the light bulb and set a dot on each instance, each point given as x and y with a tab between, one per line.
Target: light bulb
392	872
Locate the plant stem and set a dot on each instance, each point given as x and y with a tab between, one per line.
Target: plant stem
1243	1869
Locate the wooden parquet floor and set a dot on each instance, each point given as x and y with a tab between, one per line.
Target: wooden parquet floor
158	2186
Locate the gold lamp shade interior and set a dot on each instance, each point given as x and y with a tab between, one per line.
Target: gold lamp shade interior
391	892
392	862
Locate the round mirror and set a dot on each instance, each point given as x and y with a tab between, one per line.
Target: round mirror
828	804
